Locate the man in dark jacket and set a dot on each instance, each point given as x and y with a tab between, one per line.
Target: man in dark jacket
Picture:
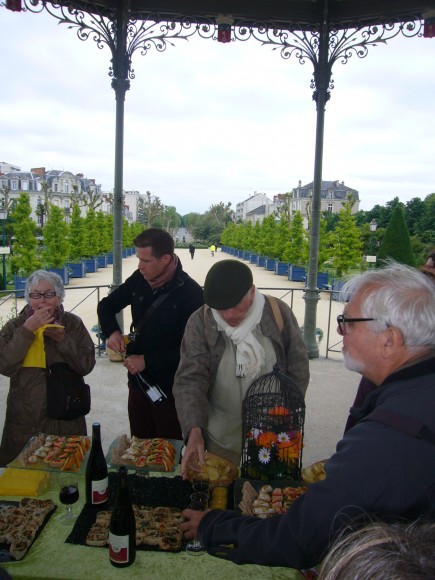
162	297
385	464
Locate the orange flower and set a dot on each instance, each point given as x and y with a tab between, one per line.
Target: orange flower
288	450
279	411
267	439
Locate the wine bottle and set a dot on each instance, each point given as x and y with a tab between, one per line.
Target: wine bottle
97	483
122	528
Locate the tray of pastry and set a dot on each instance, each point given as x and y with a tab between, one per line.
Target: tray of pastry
20	525
145	455
264	499
45	452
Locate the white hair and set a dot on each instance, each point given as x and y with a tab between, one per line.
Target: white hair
399	296
51	277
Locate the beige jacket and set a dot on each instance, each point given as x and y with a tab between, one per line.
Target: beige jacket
201	351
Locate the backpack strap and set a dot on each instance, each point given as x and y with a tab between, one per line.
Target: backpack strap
408	425
276	312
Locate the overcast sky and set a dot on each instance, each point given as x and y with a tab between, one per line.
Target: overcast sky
208	122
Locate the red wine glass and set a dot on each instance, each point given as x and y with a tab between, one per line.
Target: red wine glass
68	495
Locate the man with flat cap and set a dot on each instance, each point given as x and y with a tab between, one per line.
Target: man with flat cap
237	336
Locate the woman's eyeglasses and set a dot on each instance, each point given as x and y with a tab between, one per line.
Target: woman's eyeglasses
37	295
341	321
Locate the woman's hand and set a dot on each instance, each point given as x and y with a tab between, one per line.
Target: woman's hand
56	333
40	317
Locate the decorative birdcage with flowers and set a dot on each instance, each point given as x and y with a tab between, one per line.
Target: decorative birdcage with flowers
273	428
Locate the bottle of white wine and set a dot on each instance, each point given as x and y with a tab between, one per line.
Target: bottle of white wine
122	529
97	482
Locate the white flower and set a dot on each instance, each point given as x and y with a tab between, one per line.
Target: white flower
283	438
255	433
264	455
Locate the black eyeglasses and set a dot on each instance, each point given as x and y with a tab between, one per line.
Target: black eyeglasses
38	295
341	321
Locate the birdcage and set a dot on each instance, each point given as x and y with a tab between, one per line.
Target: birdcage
273	428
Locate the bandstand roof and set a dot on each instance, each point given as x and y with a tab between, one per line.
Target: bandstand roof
306	13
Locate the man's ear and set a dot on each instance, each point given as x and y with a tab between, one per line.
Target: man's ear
166	258
393	338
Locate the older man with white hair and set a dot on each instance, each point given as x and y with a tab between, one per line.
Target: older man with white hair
385	464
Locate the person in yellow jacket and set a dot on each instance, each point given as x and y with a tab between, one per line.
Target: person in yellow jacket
212	250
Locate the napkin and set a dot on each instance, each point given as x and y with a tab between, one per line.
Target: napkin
35	356
23	482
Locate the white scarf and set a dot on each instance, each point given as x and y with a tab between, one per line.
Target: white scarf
250	356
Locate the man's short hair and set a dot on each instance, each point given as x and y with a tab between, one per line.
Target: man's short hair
159	240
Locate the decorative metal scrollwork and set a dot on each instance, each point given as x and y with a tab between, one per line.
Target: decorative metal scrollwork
143	33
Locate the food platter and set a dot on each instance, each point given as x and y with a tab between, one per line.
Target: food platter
314	472
45	452
216	471
158	455
270	497
22	525
166	497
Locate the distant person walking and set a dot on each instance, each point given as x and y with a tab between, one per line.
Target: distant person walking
212	250
192	250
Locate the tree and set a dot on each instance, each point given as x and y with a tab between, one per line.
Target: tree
397	242
221	213
267	240
283	210
56	250
104	234
91	245
48	195
76	235
24	259
297	250
282	238
152	208
347	243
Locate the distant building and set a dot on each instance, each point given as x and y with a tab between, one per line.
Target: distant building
255	208
62	186
332	196
7	167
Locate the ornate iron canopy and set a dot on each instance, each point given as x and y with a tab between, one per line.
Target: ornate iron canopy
284	13
319	31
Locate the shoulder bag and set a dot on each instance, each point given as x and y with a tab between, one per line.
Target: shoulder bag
68	396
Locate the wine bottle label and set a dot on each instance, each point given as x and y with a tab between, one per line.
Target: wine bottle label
100	491
118	548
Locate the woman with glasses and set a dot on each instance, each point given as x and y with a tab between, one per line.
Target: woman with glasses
41	335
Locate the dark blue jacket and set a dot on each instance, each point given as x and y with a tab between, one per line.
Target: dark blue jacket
377	469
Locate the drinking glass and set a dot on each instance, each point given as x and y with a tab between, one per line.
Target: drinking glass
199	503
68	495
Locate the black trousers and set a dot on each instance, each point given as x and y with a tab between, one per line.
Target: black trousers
148	420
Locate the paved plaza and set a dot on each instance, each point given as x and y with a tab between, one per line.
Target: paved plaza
330	392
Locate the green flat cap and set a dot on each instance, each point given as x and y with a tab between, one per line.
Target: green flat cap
226	284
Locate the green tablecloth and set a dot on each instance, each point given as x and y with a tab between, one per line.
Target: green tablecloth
51	558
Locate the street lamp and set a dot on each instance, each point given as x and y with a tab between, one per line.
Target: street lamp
3	217
373	226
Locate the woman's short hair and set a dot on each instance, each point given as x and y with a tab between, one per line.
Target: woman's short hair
51	277
399	551
400	296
